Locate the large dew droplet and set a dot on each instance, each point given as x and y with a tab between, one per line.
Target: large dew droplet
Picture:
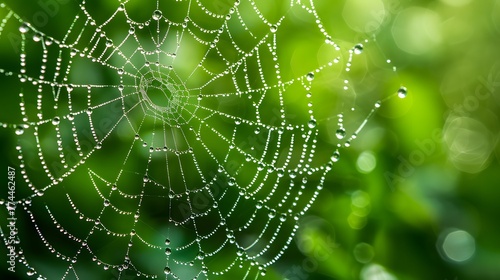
340	133
157	15
402	92
274	28
272	213
335	157
56	121
310	76
19	130
358	49
37	37
312	123
24	28
258	205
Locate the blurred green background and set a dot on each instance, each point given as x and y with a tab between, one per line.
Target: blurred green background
416	195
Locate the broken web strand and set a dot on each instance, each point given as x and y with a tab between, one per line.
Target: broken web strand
401	93
307	131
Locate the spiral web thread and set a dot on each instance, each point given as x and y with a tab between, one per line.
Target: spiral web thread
178	146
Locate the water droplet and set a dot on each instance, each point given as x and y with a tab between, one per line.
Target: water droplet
258	205
270	169
261	166
121	71
312	123
37	37
257	130
310	76
157	15
336	156
274	28
248	157
378	104
167	241
231	182
107	203
24	28
340	133
168	251
131	30
30	272
283	217
240	252
167	270
281	172
109	43
71	117
56	121
200	256
272	213
402	92
19	130
358	49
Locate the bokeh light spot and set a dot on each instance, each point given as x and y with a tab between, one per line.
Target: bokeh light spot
366	162
457	245
363	252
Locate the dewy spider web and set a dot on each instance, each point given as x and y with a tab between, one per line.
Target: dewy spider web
182	146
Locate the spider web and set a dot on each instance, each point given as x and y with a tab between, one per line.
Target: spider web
173	140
